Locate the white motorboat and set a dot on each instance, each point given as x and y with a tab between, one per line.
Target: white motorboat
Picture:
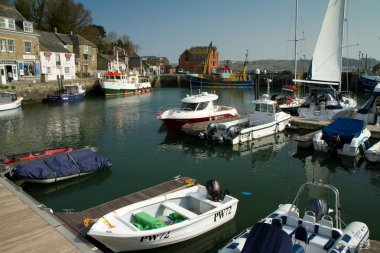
9	100
195	108
347	136
124	83
324	101
370	111
266	119
165	219
284	231
373	153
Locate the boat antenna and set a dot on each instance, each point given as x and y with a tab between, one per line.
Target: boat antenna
191	87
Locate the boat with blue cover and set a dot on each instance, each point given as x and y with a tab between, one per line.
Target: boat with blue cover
68	93
347	136
285	231
59	167
369	82
370	111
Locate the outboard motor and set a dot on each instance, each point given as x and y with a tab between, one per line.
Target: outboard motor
214	191
210	131
231	133
317	206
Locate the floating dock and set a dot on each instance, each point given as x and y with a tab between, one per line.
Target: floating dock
296	122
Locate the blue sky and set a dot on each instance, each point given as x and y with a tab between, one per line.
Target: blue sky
264	27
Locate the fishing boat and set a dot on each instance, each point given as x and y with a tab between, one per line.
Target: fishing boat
124	83
285	231
225	78
68	93
167	219
195	108
266	119
9	100
346	136
370	111
13	158
373	153
59	167
324	101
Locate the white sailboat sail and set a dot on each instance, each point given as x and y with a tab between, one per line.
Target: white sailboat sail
326	65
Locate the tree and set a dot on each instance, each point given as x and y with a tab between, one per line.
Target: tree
67	16
33	10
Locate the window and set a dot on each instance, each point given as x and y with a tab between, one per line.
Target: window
3	45
85	57
11	46
48	70
67	56
28	27
2	23
58	59
27	46
7	23
11	24
47	57
85	49
67	70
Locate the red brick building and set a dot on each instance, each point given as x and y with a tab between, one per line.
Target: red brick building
194	59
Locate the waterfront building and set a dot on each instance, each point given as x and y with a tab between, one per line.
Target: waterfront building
117	61
193	60
85	52
18	46
56	59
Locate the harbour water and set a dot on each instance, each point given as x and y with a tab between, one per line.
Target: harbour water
143	153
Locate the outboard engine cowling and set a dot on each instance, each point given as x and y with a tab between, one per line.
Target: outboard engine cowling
232	132
318	206
214	191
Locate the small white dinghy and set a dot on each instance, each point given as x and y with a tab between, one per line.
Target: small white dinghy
284	231
165	219
347	136
373	153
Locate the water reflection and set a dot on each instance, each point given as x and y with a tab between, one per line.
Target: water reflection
60	188
216	238
263	149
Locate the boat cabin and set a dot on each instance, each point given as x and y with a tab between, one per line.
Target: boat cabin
198	102
120	76
7	97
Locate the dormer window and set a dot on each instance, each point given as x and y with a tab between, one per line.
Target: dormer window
7	23
28	27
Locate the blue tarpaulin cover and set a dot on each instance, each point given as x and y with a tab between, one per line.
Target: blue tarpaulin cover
61	165
346	128
267	238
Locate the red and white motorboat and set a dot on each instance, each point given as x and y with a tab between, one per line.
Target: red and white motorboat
195	108
7	159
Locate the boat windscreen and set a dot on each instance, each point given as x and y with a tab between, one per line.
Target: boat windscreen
189	106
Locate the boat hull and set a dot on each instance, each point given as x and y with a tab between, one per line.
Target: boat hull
124	88
118	230
34	155
373	153
176	124
64	98
11	105
203	82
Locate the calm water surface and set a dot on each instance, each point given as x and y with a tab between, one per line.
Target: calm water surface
143	153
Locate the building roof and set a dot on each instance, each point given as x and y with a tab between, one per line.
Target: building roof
74	39
50	42
10	12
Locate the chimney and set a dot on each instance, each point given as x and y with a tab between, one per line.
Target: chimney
55	30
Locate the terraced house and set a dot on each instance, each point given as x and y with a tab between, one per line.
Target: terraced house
18	46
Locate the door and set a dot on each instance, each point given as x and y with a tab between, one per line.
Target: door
3	76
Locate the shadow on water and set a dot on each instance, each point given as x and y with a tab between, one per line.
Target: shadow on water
262	149
59	188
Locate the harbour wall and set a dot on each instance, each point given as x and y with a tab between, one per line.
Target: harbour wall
35	90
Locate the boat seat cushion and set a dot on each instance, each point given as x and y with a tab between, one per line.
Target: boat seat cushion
144	221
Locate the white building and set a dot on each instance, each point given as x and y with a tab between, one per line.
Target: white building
56	59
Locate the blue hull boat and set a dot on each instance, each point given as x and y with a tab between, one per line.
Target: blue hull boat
68	93
59	167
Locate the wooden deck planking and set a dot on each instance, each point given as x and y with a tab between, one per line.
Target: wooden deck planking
23	230
74	220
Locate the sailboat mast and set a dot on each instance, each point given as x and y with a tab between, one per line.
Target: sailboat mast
295	41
